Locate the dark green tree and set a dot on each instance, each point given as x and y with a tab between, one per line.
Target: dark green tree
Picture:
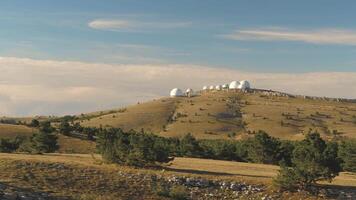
347	154
46	127
34	123
65	128
263	148
189	146
313	160
44	142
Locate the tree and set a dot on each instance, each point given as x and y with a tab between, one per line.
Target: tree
347	154
65	128
313	160
189	146
263	148
133	148
34	123
44	142
46	127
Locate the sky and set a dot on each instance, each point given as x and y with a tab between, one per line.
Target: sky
67	57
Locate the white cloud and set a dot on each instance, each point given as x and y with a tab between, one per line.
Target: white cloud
317	36
109	24
131	25
31	87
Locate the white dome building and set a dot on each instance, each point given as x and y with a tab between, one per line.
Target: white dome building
244	85
189	92
225	86
205	87
176	92
218	87
234	85
211	87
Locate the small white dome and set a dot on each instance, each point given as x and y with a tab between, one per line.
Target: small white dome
211	87
244	85
205	87
189	90
176	92
218	87
225	86
234	85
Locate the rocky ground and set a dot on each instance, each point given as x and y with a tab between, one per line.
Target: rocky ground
28	180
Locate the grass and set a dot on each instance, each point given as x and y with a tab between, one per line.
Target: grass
66	144
216	115
83	176
10	131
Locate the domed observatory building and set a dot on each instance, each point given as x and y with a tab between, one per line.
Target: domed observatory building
244	85
205	87
176	92
234	85
218	87
189	92
211	87
225	86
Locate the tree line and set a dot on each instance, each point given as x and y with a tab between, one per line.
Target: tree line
303	163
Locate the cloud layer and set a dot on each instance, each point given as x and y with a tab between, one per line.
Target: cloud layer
132	25
42	87
318	36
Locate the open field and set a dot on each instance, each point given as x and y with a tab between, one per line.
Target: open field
224	115
83	176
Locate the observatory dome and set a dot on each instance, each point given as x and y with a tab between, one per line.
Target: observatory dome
218	87
225	86
244	85
205	87
211	87
234	85
176	92
189	90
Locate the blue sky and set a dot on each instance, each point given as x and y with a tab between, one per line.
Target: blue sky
74	56
182	32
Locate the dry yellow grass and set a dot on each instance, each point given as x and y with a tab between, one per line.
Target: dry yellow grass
10	131
211	169
265	113
208	116
66	144
150	116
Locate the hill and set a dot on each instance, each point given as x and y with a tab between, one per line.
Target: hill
223	115
66	144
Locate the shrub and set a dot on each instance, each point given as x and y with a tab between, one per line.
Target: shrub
312	160
133	148
179	192
263	148
347	154
43	142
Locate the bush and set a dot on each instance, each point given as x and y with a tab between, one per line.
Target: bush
179	192
263	148
10	145
312	160
43	142
347	154
286	179
133	148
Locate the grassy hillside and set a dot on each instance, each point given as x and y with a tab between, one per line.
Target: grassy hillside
78	176
222	115
66	144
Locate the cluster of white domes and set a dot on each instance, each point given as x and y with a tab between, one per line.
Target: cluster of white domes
176	92
234	85
241	85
